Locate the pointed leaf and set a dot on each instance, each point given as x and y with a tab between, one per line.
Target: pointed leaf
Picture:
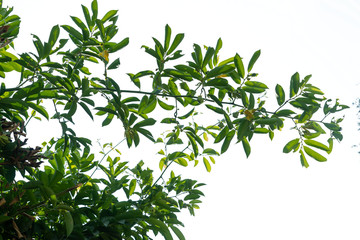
315	155
253	59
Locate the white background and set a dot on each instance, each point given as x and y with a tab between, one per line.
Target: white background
269	195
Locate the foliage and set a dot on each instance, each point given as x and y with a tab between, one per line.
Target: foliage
62	199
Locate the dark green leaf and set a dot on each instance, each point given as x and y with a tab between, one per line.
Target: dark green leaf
239	66
69	223
115	64
177	40
187	114
215	109
146	122
227	141
246	146
280	94
167	37
119	46
54	35
294	84
243	129
253	59
178	233
72	32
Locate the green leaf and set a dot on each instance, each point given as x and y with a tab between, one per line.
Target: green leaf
176	155
109	15
94	8
246	146
119	46
146	122
177	232
294	84
215	109
207	164
73	32
162	228
114	65
54	35
220	70
87	17
208	55
222	134
177	40
210	151
215	99
167	37
69	223
217	82
253	59
268	121
284	112
332	126
9	173
280	94
291	145
243	129
39	109
331	144
227	141
132	187
193	144
239	66
168	120
303	160
82	26
261	130
316	144
315	155
187	114
182	162
101	28
52	64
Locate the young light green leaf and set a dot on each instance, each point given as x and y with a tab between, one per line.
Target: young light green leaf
165	106
316	144
315	155
207	164
303	160
291	145
132	187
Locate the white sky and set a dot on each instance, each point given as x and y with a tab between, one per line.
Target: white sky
269	195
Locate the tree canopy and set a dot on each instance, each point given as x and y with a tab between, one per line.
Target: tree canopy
52	191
